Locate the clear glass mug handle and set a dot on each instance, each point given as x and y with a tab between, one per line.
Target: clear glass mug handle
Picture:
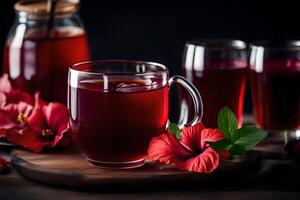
197	101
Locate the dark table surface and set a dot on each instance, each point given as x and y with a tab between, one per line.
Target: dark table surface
276	179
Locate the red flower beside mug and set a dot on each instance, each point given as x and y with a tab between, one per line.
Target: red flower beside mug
191	152
31	122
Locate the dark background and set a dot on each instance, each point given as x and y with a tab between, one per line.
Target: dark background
157	30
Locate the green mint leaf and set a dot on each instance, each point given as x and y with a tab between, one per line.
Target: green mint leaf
175	130
227	122
237	141
220	145
237	150
248	136
226	145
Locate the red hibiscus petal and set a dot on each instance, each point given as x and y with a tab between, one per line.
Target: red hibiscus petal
37	120
57	116
167	149
16	96
5	85
210	135
21	107
13	110
27	138
38	102
206	162
191	136
5	122
2	100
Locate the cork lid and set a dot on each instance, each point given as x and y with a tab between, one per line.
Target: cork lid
42	7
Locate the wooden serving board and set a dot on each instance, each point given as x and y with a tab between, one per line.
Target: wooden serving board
67	168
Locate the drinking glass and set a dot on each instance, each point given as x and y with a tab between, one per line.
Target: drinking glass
275	86
218	69
117	106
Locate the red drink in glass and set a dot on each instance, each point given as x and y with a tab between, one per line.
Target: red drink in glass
122	120
218	68
41	63
276	94
219	88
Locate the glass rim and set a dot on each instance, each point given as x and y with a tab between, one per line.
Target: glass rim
216	44
276	45
163	68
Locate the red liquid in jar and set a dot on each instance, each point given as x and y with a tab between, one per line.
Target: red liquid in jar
116	125
276	95
40	63
219	87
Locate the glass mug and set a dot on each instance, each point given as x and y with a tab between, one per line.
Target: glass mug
275	87
117	106
218	69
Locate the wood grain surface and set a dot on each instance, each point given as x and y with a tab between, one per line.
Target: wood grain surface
67	168
277	179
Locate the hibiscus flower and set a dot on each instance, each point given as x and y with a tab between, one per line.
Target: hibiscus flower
15	106
14	116
31	122
47	126
191	152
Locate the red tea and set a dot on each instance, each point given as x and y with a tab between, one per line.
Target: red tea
219	87
40	63
116	124
276	95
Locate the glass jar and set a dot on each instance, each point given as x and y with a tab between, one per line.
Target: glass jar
39	50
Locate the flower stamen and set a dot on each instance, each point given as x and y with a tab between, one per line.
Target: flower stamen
21	118
47	133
